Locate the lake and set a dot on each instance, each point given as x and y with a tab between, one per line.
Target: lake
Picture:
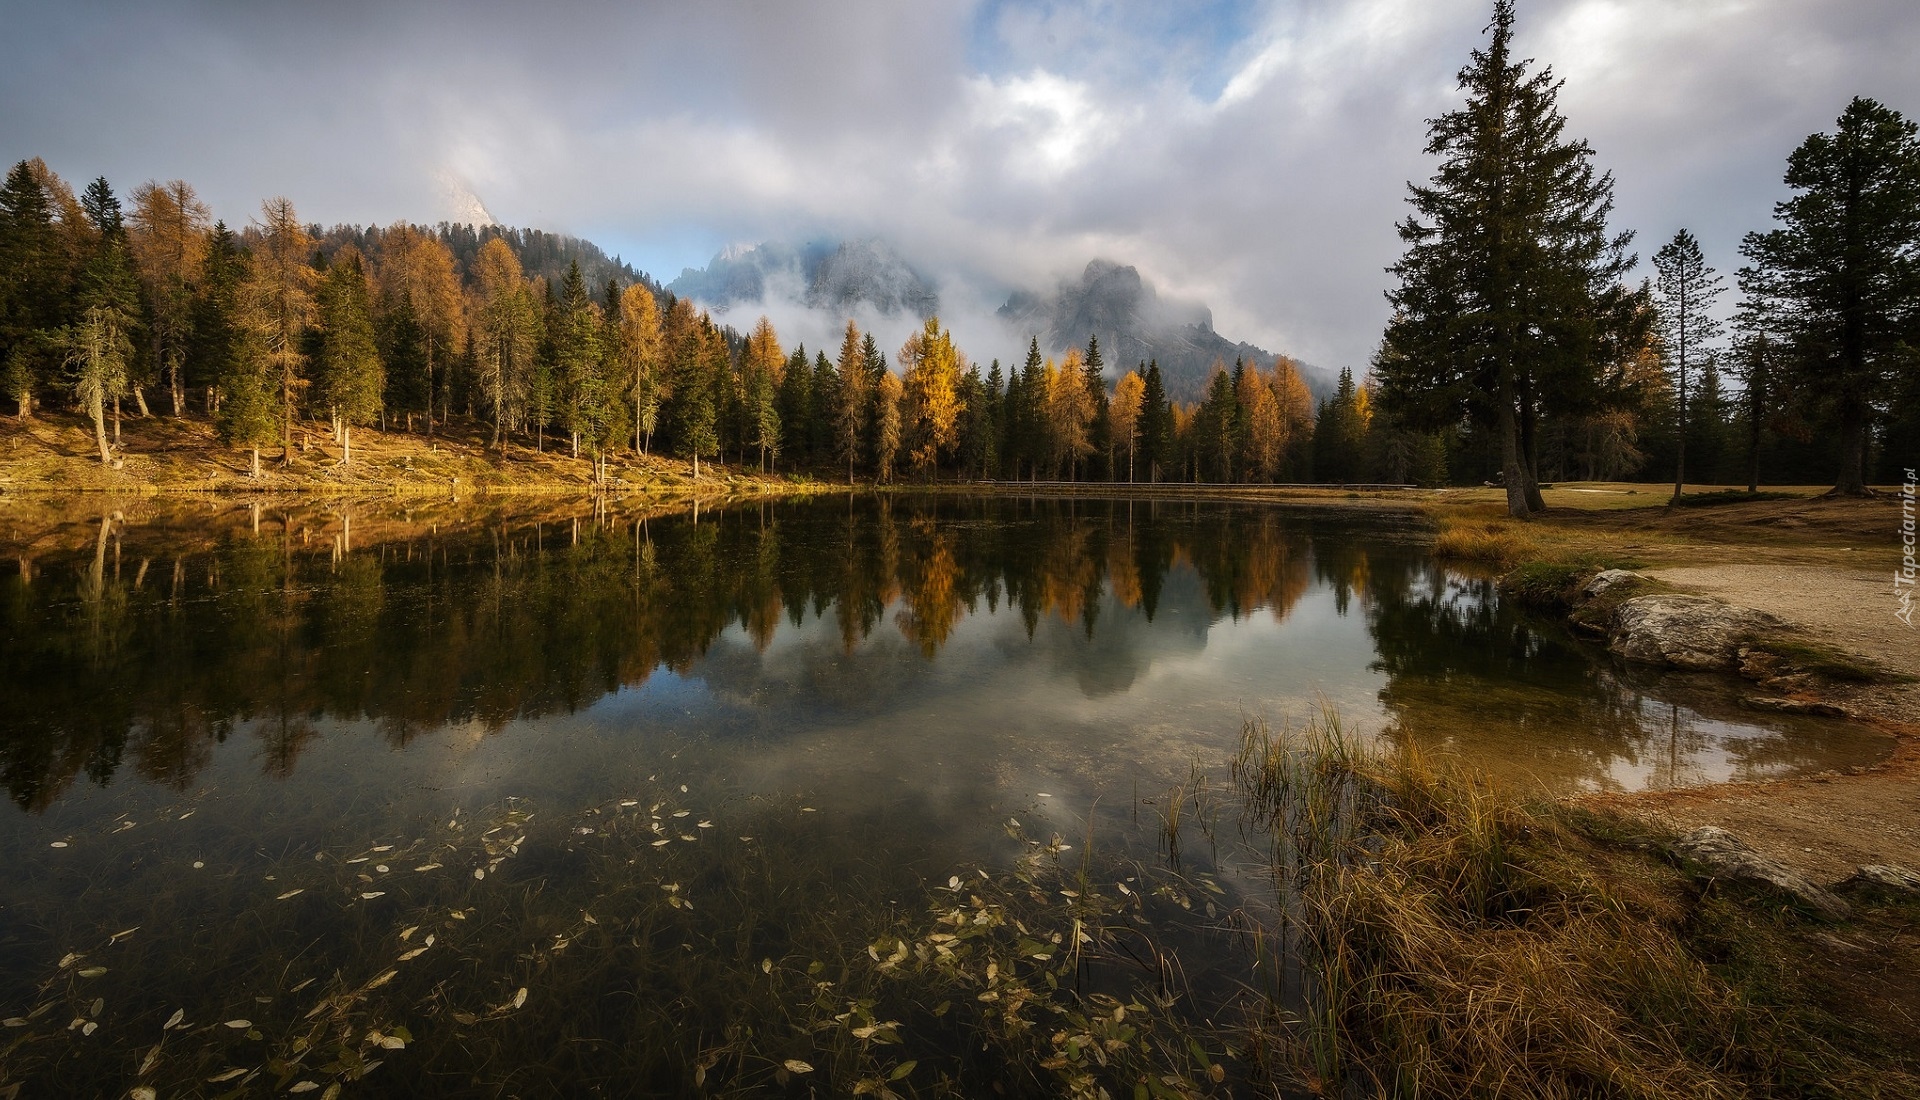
541	798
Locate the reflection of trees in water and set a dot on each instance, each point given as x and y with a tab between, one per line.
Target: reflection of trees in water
278	632
1466	674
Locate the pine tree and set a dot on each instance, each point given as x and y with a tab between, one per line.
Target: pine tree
506	333
851	407
1156	416
99	345
1509	294
576	358
1837	284
1685	292
31	277
351	378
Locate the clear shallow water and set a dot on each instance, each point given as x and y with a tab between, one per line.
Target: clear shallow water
205	708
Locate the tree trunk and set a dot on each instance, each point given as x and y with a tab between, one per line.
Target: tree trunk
1680	449
346	444
1853	450
256	463
99	414
116	421
1754	399
178	385
140	399
696	465
1530	452
1512	468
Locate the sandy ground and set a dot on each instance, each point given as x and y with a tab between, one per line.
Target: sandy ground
1824	826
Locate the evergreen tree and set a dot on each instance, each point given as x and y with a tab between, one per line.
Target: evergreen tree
99	345
506	334
851	415
1837	284
1685	292
795	407
1509	294
1156	433
576	359
1094	376
32	274
351	378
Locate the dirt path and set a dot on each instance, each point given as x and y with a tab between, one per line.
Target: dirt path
1823	826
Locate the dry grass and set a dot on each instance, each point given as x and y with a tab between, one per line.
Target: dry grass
1459	944
1494	542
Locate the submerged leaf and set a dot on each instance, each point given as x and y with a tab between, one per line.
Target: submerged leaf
240	1025
291	893
428	867
227	1076
173	1021
93	971
520	998
142	1092
371	894
795	1065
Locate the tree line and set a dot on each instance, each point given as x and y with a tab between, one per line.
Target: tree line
1514	326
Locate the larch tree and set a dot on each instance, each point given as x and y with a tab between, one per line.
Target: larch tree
886	434
506	331
932	369
1070	411
419	268
169	241
852	399
1684	292
242	389
641	362
1510	285
764	366
350	374
1267	427
278	305
1123	414
1837	285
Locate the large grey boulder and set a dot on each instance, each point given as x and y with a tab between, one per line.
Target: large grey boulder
1600	583
1688	632
1727	857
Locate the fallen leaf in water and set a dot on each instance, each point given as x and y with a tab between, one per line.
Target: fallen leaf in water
69	959
479	872
99	1005
382	979
227	1076
89	1028
371	894
795	1065
291	893
413	954
118	936
186	815
392	1042
661	843
173	1021
239	1025
143	1092
93	971
304	1086
359	859
14	1021
380	867
428	867
147	1063
197	864
384	848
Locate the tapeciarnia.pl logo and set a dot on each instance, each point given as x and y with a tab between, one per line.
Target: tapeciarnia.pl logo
1903	577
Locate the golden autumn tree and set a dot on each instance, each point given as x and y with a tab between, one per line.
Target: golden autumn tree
642	363
1070	411
419	269
762	366
1294	403
277	304
886	419
1123	414
504	326
167	232
850	410
1266	429
932	367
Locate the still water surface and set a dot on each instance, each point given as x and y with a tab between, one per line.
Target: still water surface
207	708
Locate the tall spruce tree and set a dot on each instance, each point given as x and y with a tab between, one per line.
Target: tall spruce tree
1509	292
1685	292
1837	285
351	377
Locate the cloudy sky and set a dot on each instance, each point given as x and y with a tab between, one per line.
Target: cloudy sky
1250	154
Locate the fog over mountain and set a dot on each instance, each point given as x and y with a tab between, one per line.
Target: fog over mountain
810	290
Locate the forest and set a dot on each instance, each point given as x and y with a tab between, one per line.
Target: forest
1532	367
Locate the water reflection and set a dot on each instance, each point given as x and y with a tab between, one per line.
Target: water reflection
153	637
